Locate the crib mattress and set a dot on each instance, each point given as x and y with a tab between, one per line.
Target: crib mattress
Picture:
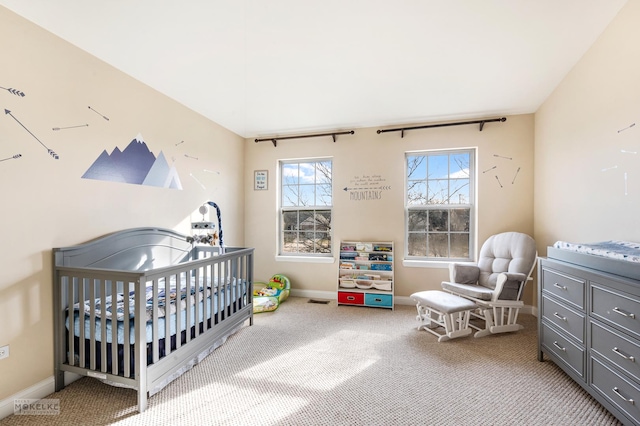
232	293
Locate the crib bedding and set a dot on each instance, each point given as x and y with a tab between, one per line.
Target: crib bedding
233	293
614	249
119	304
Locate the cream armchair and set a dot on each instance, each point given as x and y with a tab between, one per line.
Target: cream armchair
496	282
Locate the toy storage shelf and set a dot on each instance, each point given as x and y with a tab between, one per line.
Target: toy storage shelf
365	274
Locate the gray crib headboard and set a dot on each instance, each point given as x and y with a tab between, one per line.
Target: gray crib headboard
136	249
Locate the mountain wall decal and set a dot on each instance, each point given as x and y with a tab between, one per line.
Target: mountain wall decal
136	164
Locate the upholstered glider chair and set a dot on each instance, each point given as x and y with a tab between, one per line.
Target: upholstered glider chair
496	282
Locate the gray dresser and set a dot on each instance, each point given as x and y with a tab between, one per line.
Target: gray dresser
589	325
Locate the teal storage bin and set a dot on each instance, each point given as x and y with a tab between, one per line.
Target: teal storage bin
385	300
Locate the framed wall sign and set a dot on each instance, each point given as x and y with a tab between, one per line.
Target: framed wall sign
260	180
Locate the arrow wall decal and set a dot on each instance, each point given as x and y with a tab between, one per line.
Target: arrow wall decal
106	118
50	151
373	188
15	157
13	91
70	127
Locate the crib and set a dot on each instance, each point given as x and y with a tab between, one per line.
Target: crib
145	285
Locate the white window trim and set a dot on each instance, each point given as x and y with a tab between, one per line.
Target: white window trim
301	257
305	258
411	262
434	264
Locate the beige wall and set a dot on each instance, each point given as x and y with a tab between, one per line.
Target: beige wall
577	137
46	204
368	153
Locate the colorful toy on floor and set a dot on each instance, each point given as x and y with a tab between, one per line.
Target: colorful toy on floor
267	297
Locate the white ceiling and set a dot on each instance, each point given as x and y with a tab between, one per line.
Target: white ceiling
267	68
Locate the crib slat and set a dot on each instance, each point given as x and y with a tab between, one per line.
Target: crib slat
81	336
92	328
179	284
197	294
208	281
167	317
154	326
206	290
140	340
237	282
114	329
241	279
228	293
215	294
235	278
127	329
187	305
103	326
221	292
70	331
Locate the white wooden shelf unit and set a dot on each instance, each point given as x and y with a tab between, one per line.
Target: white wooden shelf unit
365	274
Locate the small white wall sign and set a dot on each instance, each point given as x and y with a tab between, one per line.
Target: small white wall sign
260	180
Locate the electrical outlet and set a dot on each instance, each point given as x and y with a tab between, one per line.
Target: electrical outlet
4	352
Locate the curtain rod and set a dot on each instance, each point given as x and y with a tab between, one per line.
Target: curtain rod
458	123
317	135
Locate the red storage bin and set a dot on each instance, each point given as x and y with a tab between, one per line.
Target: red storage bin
350	298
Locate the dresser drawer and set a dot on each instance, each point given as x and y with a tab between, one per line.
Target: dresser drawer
383	300
563	348
616	348
621	392
563	317
349	298
615	308
566	287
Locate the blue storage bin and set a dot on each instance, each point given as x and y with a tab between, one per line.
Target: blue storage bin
385	300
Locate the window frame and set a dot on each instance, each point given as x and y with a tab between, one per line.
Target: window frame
282	209
471	205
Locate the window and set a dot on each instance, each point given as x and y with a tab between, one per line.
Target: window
305	207
440	205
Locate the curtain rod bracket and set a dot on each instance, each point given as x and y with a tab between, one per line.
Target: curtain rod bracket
481	125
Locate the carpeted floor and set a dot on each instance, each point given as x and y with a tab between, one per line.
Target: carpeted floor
315	364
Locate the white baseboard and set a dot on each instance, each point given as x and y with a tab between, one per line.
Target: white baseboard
315	294
37	391
397	300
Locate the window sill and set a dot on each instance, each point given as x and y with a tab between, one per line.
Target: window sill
436	264
305	259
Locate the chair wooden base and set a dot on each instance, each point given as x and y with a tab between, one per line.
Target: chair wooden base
437	309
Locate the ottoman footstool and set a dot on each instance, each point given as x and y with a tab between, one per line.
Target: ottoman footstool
440	309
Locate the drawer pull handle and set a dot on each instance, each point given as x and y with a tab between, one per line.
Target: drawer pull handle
555	314
351	298
623	313
561	287
630	358
555	343
617	392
